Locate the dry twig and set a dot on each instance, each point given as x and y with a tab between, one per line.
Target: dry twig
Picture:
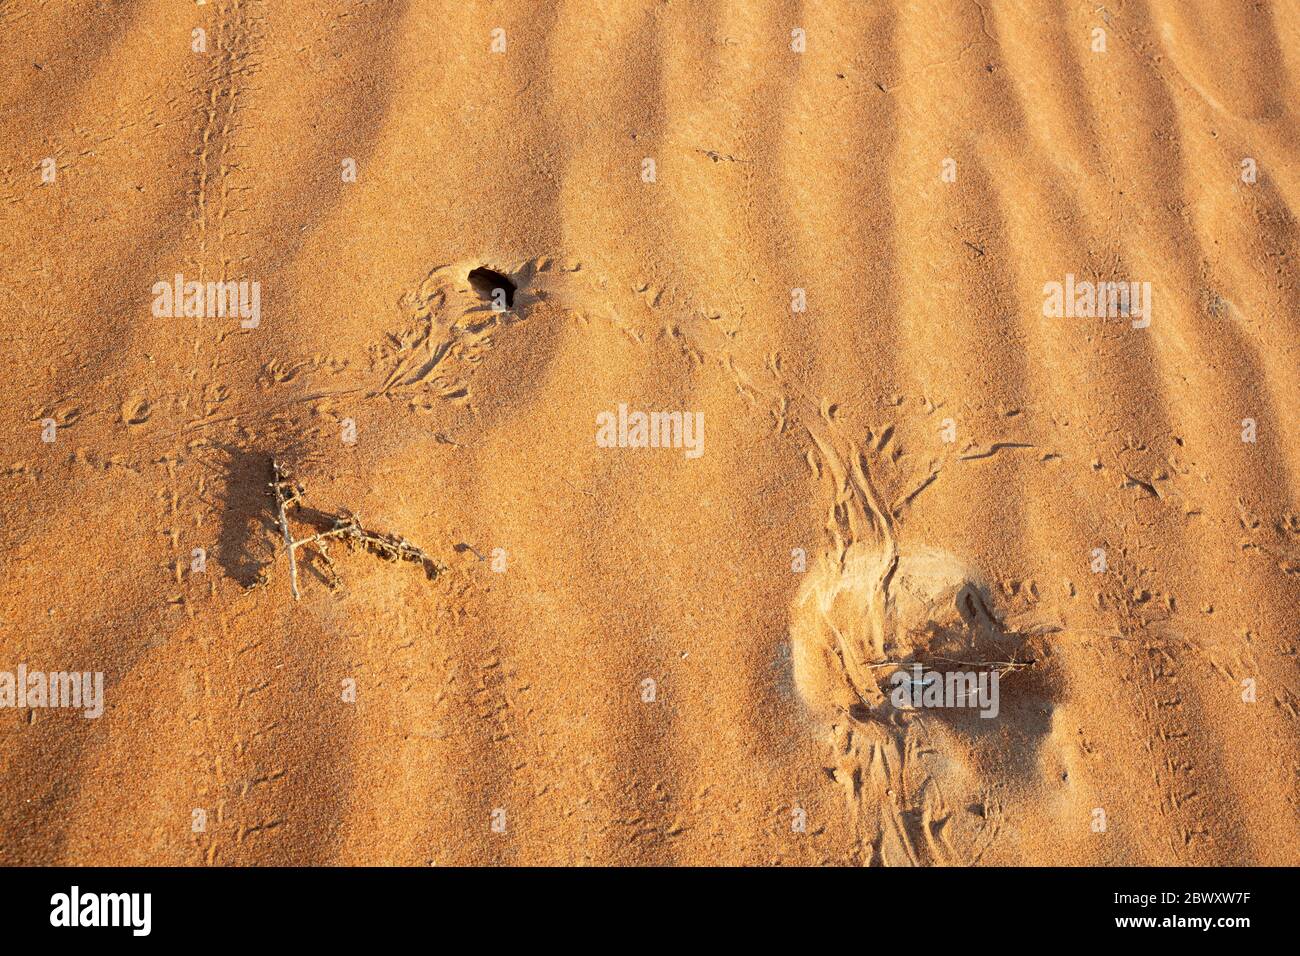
346	527
282	501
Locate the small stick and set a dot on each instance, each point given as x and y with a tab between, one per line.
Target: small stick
277	486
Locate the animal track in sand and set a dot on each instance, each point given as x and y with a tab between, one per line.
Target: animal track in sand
65	414
868	607
136	410
457	309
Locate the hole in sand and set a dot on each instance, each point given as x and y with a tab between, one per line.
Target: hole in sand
486	282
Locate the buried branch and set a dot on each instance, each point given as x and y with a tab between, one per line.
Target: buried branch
344	527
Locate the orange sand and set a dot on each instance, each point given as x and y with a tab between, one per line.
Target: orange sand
948	460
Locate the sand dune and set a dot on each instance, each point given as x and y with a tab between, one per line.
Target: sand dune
822	230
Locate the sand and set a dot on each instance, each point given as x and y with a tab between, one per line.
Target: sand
835	273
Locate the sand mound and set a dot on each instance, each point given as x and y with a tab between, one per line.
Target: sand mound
859	619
